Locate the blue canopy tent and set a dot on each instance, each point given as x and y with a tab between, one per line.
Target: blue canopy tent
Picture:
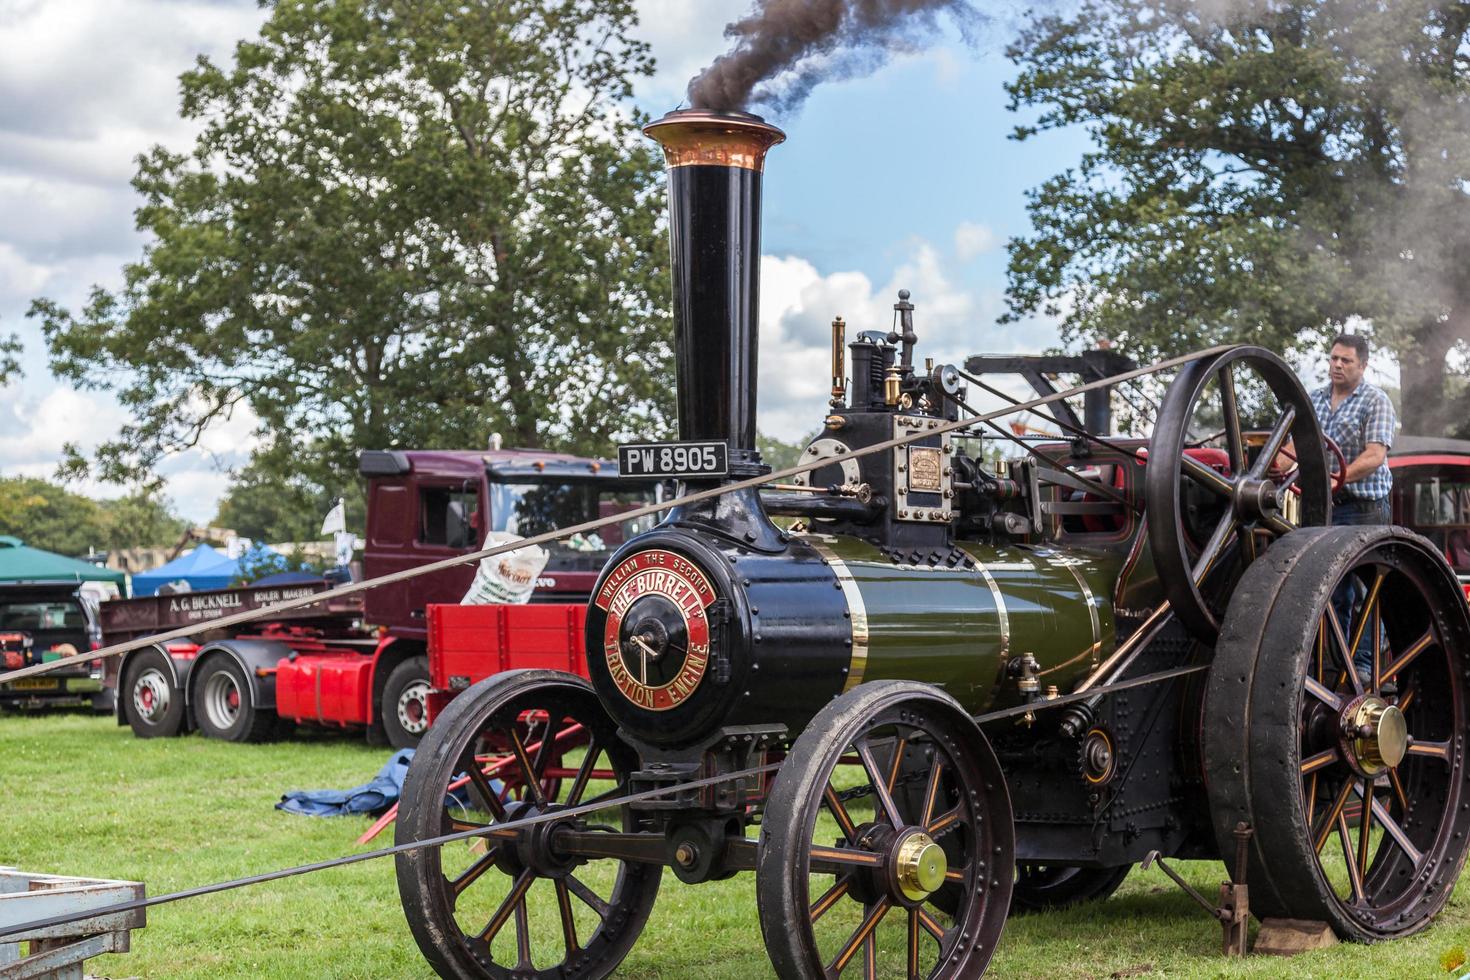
202	568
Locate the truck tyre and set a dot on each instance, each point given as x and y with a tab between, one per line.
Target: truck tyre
406	702
224	704
152	702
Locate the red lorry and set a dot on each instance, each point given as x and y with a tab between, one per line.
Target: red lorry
363	661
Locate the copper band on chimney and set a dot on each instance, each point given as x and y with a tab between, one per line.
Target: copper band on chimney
698	138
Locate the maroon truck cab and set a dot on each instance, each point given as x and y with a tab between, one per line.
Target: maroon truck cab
350	663
425	506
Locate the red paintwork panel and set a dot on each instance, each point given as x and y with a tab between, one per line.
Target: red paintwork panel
326	689
469	643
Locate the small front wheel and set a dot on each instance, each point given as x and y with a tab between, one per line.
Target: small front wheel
405	707
888	828
513	904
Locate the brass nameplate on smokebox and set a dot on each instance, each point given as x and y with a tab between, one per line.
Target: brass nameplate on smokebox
925	466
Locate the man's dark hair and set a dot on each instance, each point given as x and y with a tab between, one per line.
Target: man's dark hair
1356	341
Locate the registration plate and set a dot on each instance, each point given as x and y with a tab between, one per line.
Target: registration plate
33	684
674	460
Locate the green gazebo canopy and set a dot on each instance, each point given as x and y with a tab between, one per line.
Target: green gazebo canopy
19	563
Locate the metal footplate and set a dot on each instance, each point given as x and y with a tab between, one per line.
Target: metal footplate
59	951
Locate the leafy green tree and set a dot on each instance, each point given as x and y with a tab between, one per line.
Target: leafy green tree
779	455
404	222
52	518
10	349
1262	171
272	498
140	519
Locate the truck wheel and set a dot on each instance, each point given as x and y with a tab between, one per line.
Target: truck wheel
153	705
224	704
405	707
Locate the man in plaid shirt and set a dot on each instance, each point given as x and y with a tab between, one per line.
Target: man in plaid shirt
1359	417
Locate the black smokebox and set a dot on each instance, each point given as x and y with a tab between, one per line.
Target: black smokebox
715	161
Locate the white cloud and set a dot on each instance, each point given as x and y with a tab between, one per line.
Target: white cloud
686	35
972	239
18	275
33	429
798	303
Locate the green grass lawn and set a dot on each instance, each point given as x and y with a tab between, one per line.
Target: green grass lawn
82	796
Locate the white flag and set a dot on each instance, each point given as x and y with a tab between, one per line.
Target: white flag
335	521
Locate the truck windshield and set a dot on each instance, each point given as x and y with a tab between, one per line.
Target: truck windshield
535	508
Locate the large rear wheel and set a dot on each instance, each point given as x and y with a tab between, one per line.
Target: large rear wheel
1335	723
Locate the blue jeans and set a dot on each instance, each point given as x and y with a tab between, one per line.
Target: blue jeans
1355	511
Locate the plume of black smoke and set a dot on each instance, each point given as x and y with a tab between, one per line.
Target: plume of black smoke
784	47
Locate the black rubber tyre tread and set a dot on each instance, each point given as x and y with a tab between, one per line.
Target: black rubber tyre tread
1085	886
413	669
253	724
173	720
778	891
1252	706
428	773
1162	483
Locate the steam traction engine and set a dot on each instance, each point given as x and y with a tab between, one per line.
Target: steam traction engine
859	708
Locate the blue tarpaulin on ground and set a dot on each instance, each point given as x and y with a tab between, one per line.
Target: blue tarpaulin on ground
371	797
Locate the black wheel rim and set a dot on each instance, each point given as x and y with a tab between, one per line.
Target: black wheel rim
906	771
513	907
1205	526
1380	833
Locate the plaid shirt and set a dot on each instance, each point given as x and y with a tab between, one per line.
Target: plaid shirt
1364	416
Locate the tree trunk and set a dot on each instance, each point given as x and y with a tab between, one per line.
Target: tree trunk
1421	380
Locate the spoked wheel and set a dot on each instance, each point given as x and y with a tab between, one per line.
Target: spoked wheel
1351	775
858	875
1040	887
1206	526
512	905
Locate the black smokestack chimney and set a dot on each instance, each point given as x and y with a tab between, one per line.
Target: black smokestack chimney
715	160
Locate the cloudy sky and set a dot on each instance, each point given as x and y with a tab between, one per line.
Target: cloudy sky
903	179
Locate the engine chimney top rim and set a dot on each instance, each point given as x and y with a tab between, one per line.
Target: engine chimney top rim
695	137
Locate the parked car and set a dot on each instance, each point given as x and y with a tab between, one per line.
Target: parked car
43	621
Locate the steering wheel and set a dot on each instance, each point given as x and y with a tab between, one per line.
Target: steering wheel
1337	467
1236	514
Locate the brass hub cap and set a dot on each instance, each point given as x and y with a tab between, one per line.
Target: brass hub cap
1375	734
919	866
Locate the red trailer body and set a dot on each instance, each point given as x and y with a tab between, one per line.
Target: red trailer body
469	643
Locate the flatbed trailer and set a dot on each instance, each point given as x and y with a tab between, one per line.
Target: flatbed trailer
316	664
